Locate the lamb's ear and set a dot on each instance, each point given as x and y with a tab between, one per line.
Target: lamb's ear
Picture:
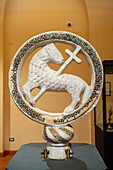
48	45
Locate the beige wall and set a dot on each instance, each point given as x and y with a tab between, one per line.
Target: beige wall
2	6
100	15
23	19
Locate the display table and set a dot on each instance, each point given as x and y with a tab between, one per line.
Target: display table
29	157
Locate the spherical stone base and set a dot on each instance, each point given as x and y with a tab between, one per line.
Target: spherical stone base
58	151
58	134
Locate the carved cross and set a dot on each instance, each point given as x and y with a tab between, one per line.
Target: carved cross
70	59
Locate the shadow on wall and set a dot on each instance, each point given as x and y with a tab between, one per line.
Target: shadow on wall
72	164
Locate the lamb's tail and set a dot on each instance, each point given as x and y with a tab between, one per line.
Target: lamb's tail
86	93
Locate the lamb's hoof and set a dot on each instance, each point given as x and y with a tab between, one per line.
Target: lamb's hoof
32	101
68	109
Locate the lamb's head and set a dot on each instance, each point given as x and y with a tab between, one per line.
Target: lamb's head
54	55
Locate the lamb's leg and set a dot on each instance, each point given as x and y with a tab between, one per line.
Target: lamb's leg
29	95
75	99
26	90
71	107
75	93
34	99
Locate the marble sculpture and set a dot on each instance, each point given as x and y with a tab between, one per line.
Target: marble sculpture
57	129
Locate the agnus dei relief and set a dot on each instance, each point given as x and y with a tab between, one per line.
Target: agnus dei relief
41	76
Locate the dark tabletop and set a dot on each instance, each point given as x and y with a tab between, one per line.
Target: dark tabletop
29	157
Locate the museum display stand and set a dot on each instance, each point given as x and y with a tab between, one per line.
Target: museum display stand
104	117
30	157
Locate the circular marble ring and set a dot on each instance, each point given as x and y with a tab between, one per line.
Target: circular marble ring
40	40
